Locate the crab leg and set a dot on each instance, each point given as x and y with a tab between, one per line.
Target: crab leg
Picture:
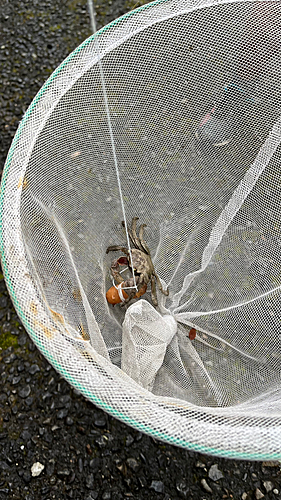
117	248
165	292
141	240
115	271
135	243
153	292
134	234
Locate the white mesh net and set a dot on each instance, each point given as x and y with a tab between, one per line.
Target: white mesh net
193	89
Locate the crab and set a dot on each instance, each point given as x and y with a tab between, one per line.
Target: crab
141	262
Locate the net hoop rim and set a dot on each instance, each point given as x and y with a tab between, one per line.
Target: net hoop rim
164	436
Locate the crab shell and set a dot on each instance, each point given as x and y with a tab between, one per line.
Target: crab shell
112	295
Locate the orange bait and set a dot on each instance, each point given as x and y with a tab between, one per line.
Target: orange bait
113	295
192	334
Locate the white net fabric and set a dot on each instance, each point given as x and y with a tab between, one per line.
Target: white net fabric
212	209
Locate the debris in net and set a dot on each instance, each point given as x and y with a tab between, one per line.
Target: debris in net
36	469
75	154
192	334
214	473
206	486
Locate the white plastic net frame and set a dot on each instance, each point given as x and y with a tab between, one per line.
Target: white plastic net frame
249	430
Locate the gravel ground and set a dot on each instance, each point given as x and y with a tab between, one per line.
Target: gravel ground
84	453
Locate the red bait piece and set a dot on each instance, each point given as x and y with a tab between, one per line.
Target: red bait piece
192	334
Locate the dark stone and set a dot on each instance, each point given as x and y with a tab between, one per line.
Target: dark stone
62	413
29	401
4	465
14	410
34	369
50	468
95	464
93	495
10	359
129	440
24	392
132	463
106	495
157	486
90	481
26	476
22	339
3	398
65	399
16	380
3	301
100	420
80	465
25	435
63	472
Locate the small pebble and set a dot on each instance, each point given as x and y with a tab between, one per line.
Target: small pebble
80	465
93	495
16	380
36	469
129	440
206	486
34	369
214	473
10	358
25	435
244	496
24	392
106	495
157	486
132	463
100	420
258	494
63	473
275	491
200	464
268	485
62	413
90	481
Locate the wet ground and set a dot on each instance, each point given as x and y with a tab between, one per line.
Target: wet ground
84	453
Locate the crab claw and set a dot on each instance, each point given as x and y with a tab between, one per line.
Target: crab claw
122	261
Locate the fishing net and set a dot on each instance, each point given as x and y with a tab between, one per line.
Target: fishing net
193	93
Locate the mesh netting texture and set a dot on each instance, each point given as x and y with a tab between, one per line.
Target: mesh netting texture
193	91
